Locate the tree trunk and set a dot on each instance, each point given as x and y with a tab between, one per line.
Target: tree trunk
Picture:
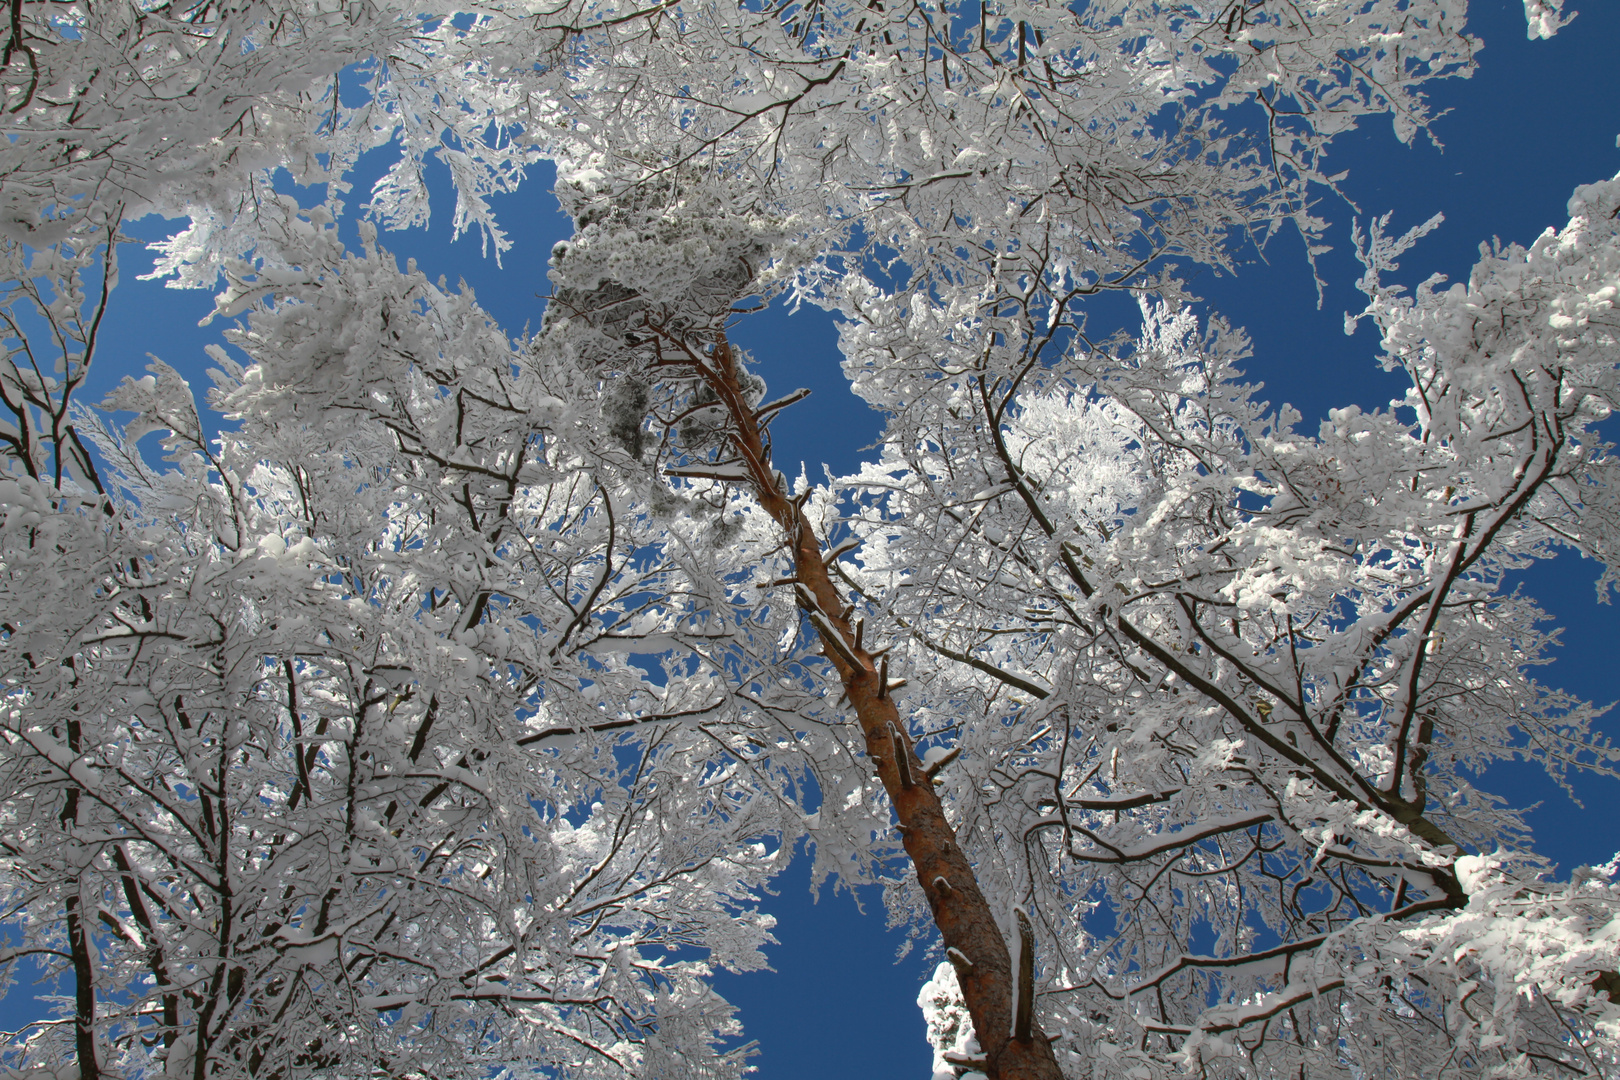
84	973
965	921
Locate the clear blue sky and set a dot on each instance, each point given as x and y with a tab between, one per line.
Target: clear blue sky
1537	119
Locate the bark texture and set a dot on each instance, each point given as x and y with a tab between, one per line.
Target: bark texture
960	910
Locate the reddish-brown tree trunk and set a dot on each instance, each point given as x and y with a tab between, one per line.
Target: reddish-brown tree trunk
960	910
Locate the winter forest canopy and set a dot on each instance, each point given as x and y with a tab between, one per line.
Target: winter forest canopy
431	697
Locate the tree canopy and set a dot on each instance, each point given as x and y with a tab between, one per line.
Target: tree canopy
445	713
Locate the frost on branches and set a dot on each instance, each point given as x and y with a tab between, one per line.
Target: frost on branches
313	760
1215	678
443	715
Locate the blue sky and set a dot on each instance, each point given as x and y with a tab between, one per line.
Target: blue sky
1537	119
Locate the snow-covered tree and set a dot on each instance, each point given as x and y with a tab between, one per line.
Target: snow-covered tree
1204	676
311	738
1219	686
445	712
